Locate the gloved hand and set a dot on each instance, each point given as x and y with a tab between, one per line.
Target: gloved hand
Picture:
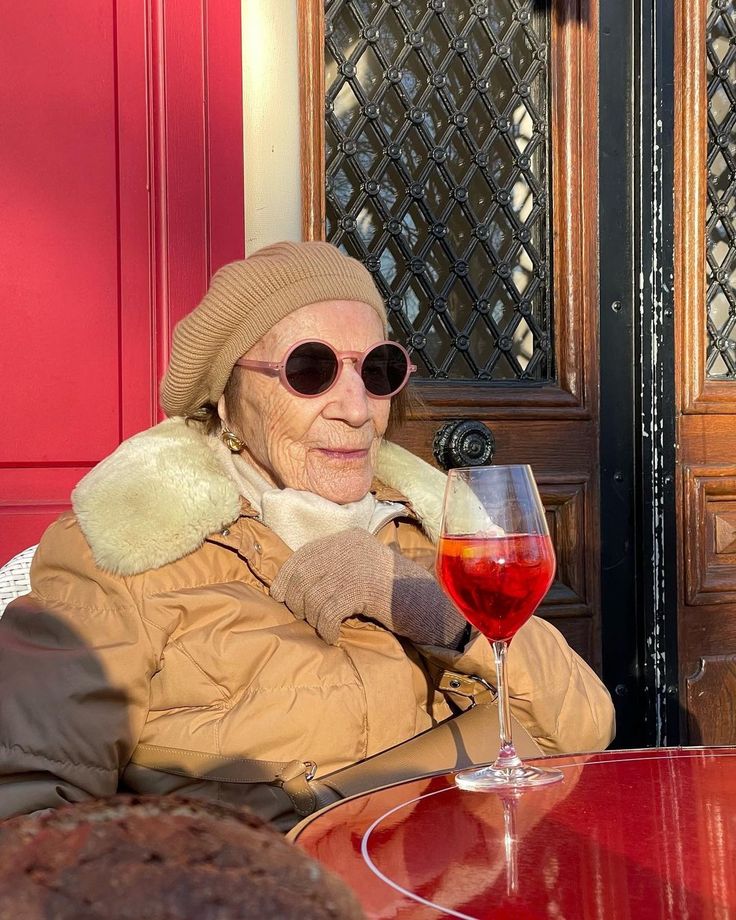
351	574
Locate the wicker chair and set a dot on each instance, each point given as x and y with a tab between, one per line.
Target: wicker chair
15	577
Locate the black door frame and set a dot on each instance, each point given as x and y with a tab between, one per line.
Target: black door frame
639	550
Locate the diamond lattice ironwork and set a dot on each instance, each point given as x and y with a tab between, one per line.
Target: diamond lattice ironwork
721	208
437	175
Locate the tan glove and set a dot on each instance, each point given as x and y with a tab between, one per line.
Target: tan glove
351	574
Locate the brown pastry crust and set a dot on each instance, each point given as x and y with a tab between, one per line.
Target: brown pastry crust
160	858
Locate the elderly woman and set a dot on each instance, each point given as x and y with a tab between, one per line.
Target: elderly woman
252	577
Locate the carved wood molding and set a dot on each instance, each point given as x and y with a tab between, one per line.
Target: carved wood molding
725	536
573	598
574	146
574	178
565	507
696	393
311	19
711	701
709	534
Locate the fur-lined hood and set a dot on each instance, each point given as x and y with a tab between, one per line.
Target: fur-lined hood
163	492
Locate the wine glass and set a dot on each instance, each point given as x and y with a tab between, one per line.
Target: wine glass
496	562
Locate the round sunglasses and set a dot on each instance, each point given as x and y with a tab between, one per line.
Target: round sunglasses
311	368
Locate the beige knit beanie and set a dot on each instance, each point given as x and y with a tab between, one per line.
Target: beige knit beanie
246	299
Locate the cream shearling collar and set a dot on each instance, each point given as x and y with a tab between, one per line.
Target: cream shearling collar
163	492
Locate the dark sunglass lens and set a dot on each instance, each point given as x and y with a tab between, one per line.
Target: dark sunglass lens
311	368
384	369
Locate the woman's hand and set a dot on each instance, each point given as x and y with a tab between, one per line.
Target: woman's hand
351	574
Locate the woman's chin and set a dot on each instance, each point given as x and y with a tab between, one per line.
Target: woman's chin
343	487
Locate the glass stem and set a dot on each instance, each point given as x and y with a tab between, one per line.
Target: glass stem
507	756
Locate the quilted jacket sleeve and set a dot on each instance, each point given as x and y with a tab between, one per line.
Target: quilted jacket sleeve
553	692
76	661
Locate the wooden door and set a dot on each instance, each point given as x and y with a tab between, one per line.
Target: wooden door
120	193
457	159
705	282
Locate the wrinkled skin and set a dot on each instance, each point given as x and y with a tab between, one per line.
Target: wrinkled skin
328	444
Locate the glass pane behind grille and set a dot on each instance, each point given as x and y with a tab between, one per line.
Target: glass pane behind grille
721	206
437	176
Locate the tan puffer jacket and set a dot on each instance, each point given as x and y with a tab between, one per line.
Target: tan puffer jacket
150	621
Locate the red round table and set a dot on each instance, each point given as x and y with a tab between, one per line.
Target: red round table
626	835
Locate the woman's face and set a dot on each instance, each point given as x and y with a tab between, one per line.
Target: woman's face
327	444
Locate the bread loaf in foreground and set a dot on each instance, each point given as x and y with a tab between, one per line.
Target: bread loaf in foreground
160	858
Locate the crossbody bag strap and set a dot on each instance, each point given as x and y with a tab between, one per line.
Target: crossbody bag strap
466	690
469	738
292	776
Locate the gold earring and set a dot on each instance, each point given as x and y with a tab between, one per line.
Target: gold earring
231	440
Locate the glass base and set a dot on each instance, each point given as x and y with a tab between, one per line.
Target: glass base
485	779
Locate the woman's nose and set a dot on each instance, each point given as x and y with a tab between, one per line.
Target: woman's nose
349	401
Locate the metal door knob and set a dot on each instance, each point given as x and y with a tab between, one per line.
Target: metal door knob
463	443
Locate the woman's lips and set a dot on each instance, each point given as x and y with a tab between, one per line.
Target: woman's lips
342	454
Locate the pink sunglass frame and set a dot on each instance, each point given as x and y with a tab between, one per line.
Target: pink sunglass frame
278	368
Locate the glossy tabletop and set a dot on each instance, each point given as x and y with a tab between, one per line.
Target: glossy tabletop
626	834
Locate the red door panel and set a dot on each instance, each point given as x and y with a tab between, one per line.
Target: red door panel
26	511
121	191
58	243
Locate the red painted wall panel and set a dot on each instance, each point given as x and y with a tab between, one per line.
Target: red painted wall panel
25	517
58	243
137	266
121	189
224	120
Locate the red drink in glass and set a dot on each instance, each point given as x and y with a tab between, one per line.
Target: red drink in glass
496	561
496	581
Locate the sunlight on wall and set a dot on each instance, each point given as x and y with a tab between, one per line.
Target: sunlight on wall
271	122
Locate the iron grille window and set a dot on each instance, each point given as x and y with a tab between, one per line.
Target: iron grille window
721	207
438	176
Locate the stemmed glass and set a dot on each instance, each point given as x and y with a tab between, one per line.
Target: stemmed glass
496	562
